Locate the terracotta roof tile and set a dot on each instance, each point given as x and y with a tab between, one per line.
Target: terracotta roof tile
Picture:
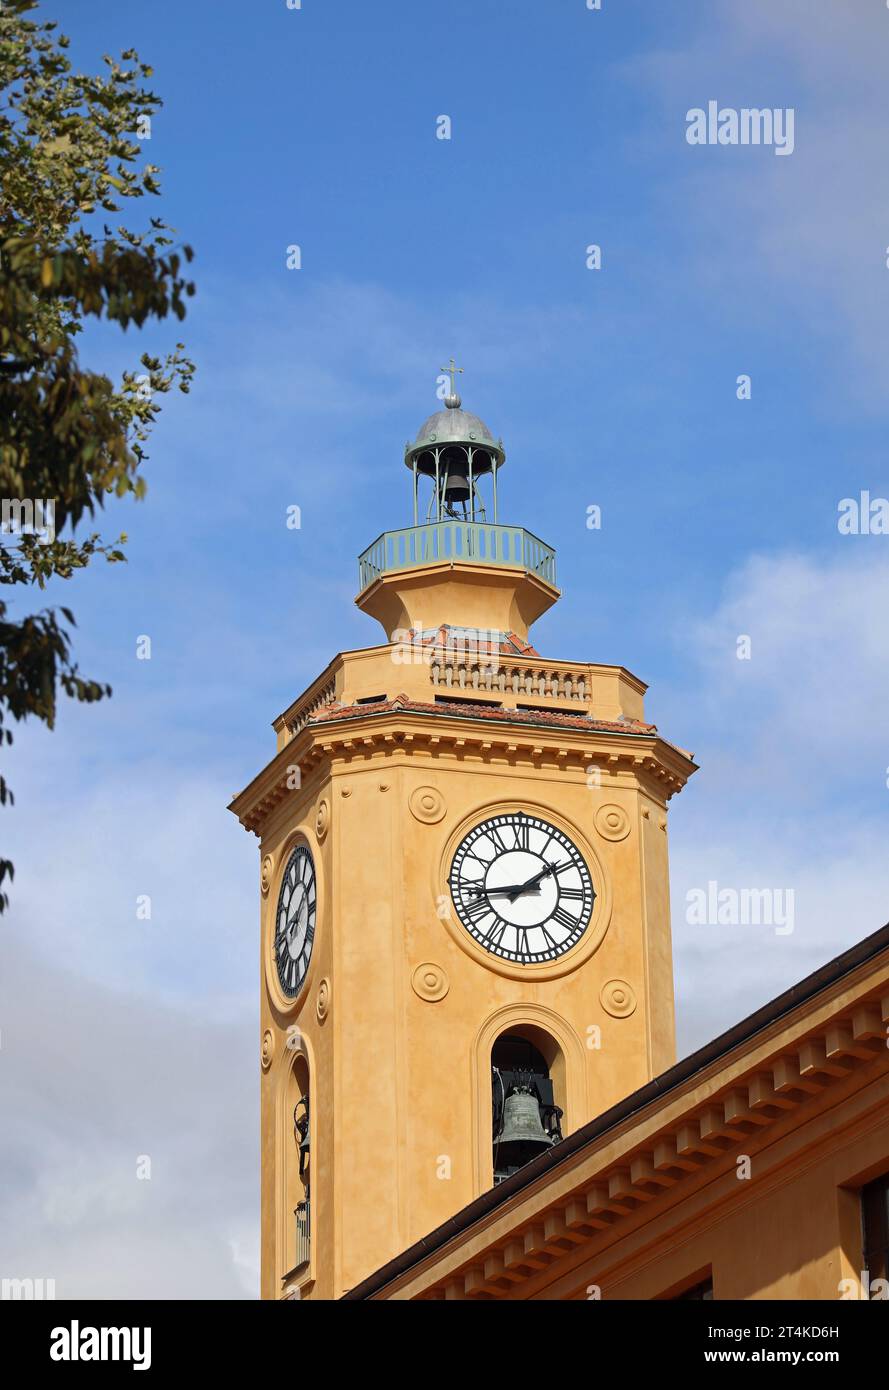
457	638
469	708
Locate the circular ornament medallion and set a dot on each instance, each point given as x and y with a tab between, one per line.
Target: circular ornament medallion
427	805
618	998
430	982
612	822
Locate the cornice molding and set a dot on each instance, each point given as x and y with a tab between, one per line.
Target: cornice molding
648	758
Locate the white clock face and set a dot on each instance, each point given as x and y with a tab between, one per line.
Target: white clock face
521	888
295	921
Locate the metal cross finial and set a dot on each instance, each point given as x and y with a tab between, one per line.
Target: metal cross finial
452	371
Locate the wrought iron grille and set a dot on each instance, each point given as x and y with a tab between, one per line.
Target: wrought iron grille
303	1233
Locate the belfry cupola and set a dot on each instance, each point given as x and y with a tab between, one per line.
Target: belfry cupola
458	565
452	453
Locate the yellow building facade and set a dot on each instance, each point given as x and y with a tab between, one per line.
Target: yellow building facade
755	1169
465	955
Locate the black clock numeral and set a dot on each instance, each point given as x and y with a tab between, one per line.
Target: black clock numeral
572	894
564	919
478	908
495	835
495	934
523	947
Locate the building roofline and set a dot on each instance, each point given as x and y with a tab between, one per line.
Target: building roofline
481	711
660	1086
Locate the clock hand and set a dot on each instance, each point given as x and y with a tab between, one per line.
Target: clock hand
553	868
532	882
514	890
508	888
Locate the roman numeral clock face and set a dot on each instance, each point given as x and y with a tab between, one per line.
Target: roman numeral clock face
295	921
521	888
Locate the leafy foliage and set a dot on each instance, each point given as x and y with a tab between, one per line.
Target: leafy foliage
69	156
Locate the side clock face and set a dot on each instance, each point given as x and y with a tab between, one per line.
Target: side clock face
295	921
521	888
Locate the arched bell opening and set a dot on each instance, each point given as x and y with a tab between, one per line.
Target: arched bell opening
528	1099
298	1161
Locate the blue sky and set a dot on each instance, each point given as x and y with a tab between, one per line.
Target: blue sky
615	387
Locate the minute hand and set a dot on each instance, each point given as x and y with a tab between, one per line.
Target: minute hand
533	881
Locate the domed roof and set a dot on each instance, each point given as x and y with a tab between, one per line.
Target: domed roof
453	425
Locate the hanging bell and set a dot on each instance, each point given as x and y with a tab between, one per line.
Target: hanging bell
301	1131
456	488
522	1135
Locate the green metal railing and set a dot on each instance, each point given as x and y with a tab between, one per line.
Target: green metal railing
477	542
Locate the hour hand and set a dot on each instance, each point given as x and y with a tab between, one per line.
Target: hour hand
533	883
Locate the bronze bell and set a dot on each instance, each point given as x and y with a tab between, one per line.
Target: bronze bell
522	1135
456	487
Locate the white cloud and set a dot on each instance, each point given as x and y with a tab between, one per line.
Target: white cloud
814	688
93	1079
114	831
791	794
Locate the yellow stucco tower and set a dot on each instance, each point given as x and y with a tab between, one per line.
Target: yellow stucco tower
465	931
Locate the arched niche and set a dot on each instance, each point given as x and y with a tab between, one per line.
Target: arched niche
528	1096
295	1160
562	1051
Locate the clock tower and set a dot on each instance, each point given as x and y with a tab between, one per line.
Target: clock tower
464	924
